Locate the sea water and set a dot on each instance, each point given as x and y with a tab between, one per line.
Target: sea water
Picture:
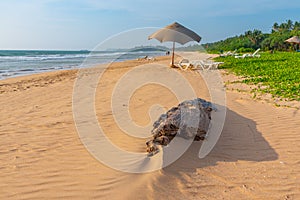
24	62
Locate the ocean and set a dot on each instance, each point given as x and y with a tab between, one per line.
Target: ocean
25	62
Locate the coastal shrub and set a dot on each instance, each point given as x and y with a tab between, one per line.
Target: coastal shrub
254	39
244	50
277	74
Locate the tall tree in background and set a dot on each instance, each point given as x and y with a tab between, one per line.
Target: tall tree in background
290	25
251	40
255	36
275	27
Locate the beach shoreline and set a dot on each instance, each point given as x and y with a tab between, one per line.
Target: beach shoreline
42	156
230	80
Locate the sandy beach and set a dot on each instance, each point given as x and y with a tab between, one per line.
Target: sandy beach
42	156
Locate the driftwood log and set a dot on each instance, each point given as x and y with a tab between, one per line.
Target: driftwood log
190	120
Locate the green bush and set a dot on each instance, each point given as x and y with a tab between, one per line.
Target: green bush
278	72
244	50
254	39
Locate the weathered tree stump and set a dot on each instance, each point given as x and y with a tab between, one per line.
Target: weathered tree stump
190	119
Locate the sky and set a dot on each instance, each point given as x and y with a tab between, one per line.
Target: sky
84	24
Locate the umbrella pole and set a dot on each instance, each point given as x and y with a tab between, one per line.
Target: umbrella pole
172	64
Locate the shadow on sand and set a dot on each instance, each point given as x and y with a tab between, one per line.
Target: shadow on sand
240	140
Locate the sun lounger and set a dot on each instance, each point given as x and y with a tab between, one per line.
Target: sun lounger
229	53
209	64
248	55
183	64
225	54
147	58
206	64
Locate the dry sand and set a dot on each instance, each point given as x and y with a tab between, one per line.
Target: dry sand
42	157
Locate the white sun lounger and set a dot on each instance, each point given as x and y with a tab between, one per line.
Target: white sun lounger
206	64
229	53
248	55
183	64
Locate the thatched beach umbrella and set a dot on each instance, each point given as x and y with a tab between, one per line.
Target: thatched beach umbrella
175	33
293	40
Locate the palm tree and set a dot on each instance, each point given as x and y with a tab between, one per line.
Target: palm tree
290	24
297	26
275	27
254	36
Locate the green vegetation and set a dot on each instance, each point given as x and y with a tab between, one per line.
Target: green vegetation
277	74
255	39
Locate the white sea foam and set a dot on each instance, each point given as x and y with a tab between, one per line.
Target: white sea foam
16	63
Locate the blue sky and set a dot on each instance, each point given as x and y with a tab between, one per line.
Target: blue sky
83	24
